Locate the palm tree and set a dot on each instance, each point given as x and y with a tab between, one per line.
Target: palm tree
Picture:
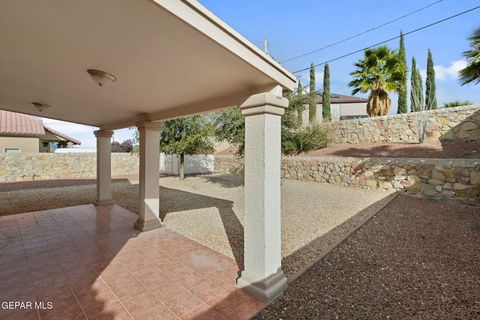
380	71
471	73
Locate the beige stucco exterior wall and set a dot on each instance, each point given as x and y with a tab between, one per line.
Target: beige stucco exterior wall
338	110
353	109
26	144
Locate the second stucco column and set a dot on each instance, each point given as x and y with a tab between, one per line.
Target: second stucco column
263	276
104	167
149	203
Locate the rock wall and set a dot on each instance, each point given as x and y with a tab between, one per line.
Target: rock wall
460	123
435	178
42	166
228	164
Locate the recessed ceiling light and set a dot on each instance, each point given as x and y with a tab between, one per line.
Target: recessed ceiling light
101	77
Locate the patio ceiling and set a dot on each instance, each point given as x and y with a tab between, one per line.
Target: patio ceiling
171	58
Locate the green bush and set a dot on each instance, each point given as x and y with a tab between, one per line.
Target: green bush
457	104
304	140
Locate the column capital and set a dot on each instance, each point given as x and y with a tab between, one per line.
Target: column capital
103	133
157	126
261	103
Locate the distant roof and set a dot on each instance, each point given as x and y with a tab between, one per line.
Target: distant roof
12	123
19	124
61	135
340	98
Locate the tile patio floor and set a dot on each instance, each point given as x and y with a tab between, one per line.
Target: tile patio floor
90	263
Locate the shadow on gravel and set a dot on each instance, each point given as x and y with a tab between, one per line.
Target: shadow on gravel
185	201
297	263
226	180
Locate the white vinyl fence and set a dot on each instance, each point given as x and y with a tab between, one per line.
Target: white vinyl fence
194	164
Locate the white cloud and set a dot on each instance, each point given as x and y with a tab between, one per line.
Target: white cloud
304	77
83	133
443	73
63	126
78	131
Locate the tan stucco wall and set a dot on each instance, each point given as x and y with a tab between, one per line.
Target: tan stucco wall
338	110
353	109
26	144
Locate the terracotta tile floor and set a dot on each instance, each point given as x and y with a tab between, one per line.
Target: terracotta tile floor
89	263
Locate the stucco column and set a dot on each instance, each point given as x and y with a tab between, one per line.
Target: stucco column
263	276
104	167
149	203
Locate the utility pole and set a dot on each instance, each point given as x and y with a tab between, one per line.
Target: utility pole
265	46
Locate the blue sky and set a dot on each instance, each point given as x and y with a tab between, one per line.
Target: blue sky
295	27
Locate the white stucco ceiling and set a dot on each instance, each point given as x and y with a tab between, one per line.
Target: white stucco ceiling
171	58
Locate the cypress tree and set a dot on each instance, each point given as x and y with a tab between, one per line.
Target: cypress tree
420	90
413	87
299	110
402	92
312	109
326	112
430	88
416	91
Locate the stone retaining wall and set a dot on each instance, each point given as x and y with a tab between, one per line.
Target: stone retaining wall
228	164
436	178
42	166
460	123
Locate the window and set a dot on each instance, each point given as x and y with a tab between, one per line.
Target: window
12	150
44	147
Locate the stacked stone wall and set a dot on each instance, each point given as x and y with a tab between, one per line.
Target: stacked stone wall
433	178
460	123
42	166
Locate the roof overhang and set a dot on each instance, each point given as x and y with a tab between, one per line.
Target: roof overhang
171	58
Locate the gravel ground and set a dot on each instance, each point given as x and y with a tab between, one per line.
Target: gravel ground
209	209
415	259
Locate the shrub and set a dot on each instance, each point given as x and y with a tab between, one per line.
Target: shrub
457	104
304	140
125	146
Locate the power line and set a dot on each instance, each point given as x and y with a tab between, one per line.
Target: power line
388	40
361	33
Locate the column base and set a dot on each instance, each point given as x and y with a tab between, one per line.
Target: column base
148	225
103	202
266	290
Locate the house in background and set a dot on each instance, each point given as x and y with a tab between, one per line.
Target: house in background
23	133
343	108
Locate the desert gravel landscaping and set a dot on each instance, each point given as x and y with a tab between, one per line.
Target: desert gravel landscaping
415	259
209	209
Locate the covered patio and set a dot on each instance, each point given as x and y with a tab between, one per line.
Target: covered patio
163	59
87	262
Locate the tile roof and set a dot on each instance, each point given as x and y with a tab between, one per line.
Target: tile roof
19	124
12	123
